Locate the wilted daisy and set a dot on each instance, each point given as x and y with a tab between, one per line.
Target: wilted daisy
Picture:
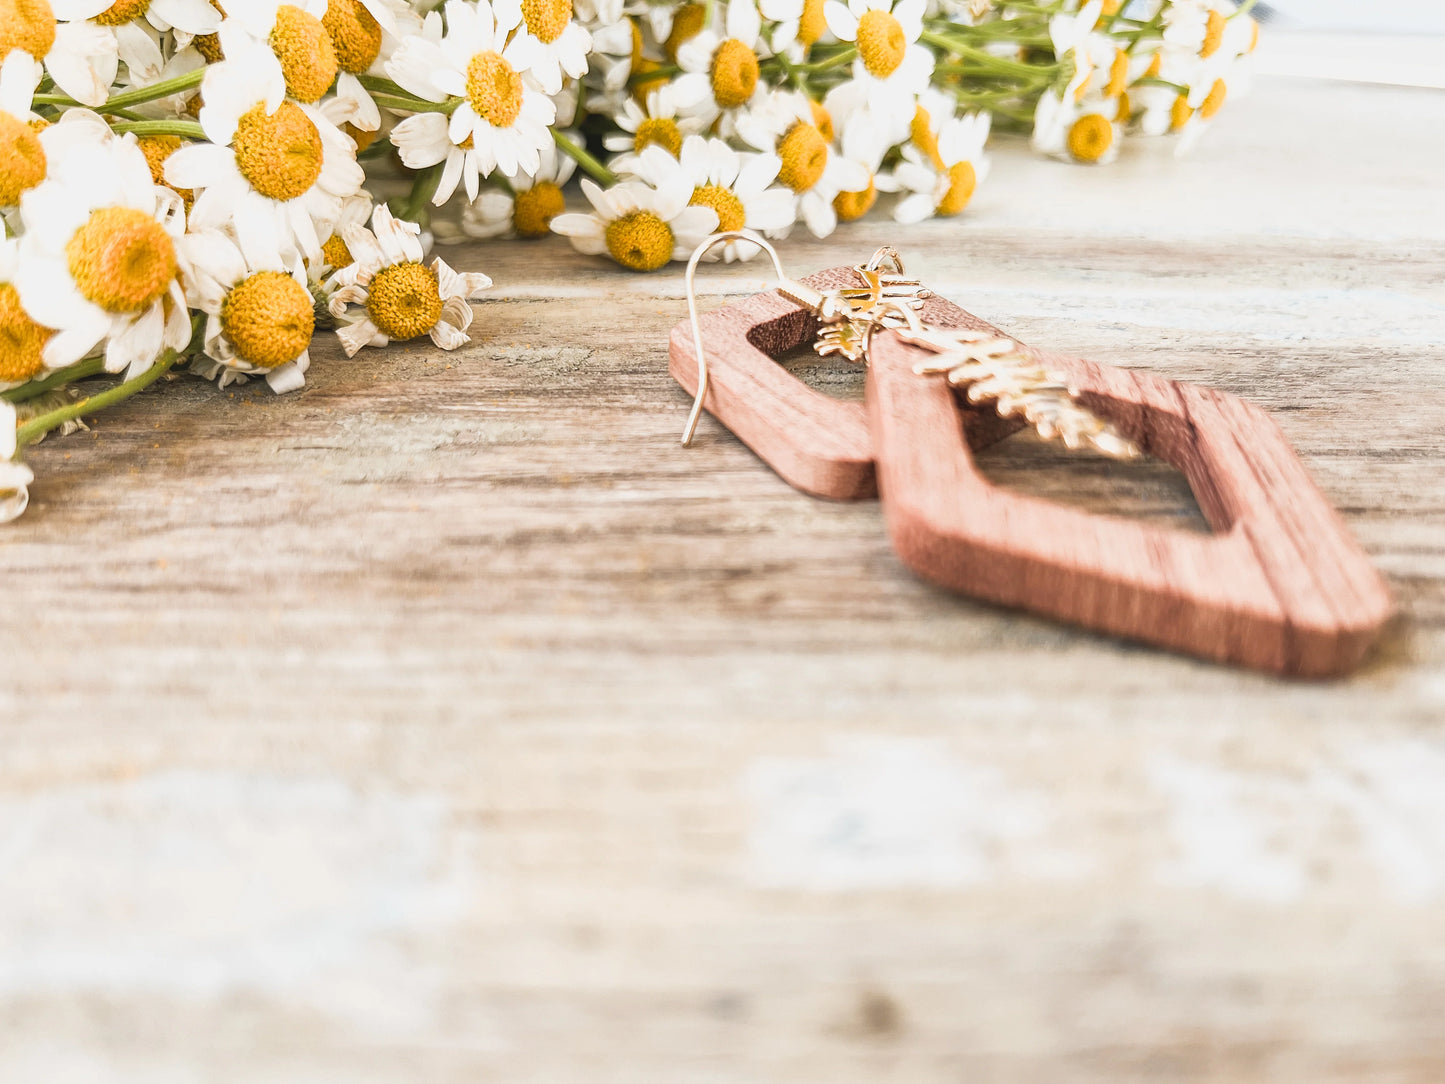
502	120
402	298
99	251
259	319
525	207
942	185
892	66
278	170
639	226
739	187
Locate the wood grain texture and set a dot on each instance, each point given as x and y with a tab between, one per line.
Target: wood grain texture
1281	586
449	721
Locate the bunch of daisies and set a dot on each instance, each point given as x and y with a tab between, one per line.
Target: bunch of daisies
205	184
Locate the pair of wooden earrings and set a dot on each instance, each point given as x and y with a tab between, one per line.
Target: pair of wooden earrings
1279	586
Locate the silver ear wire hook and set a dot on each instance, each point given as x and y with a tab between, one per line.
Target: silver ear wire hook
702	375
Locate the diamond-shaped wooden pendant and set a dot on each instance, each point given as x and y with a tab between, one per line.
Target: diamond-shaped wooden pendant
1280	586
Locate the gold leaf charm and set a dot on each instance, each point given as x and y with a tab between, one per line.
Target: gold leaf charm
991	369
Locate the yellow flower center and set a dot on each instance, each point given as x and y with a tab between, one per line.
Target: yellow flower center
354	34
157	149
1212	104
811	23
662	131
805	155
495	89
640	241
1253	34
269	319
308	60
121	259
881	43
209	46
360	138
278	153
546	19
122	11
1213	34
921	133
1118	75
21	339
734	73
1156	65
22	159
1179	113
822	120
1126	109
852	206
534	209
28	25
1090	138
404	300
686	25
962	180
335	252
731	215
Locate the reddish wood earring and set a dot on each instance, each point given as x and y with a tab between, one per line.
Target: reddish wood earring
1280	587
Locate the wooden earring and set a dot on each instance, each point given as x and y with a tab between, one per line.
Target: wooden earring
1280	586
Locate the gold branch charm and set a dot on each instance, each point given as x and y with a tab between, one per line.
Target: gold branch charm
878	302
993	370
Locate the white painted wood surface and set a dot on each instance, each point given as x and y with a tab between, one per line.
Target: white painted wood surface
447	721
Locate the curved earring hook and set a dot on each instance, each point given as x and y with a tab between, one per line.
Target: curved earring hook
701	251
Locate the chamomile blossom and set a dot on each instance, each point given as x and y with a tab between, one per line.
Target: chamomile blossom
639	226
892	66
22	339
738	186
259	318
943	183
22	157
99	251
720	72
136	28
276	169
661	123
1086	131
525	207
401	298
559	44
800	24
293	32
503	118
15	476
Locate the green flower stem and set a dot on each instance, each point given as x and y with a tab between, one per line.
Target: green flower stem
593	168
656	75
409	104
79	371
164	89
984	59
38	426
422	190
186	129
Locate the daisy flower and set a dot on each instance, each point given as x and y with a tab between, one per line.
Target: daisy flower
402	297
1082	131
15	476
278	170
559	46
22	340
99	250
294	33
720	73
800	25
943	186
661	123
22	158
259	319
812	167
891	66
502	121
80	56
1073	36
640	227
135	27
737	186
526	207
865	143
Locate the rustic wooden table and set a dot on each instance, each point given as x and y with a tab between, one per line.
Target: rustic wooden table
448	721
